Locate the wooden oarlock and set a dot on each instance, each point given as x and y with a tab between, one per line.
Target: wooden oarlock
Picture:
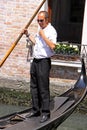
21	34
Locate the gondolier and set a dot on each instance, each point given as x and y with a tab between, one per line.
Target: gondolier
44	44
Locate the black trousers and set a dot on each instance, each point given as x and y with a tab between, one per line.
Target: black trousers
39	84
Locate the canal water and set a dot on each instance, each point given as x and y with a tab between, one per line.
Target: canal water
76	121
9	109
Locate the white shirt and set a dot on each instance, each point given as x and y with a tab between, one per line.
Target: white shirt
41	49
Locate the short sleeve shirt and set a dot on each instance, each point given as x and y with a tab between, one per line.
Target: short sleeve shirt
41	49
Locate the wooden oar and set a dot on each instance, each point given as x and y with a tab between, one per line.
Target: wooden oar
19	37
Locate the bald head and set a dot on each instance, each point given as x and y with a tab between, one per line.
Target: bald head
43	19
45	13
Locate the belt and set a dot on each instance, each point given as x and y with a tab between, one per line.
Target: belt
38	60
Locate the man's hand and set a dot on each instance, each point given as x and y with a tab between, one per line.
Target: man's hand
25	31
41	33
47	41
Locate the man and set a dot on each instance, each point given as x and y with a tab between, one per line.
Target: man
44	44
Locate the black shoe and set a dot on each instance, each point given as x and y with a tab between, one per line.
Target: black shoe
33	114
44	118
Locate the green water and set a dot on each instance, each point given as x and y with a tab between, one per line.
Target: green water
76	121
8	109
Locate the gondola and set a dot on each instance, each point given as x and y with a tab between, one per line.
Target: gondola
61	108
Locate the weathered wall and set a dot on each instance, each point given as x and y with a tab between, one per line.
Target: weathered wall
14	15
64	72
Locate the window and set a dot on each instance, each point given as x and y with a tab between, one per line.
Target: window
76	11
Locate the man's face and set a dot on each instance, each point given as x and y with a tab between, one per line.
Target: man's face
42	21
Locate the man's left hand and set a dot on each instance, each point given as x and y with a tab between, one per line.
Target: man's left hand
41	33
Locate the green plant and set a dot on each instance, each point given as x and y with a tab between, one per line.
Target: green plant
66	49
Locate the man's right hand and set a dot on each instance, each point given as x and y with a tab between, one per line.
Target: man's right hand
25	31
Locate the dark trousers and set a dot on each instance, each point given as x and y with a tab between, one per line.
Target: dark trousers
39	84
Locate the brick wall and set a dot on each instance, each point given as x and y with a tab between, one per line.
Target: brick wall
14	15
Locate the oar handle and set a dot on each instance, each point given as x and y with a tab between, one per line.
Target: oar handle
19	37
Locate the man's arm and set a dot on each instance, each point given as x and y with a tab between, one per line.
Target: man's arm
31	39
25	31
48	42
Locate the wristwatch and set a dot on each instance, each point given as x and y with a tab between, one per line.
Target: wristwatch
28	35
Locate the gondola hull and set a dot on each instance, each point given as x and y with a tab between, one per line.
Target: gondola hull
61	108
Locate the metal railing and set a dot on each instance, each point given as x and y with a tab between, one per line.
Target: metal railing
84	52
